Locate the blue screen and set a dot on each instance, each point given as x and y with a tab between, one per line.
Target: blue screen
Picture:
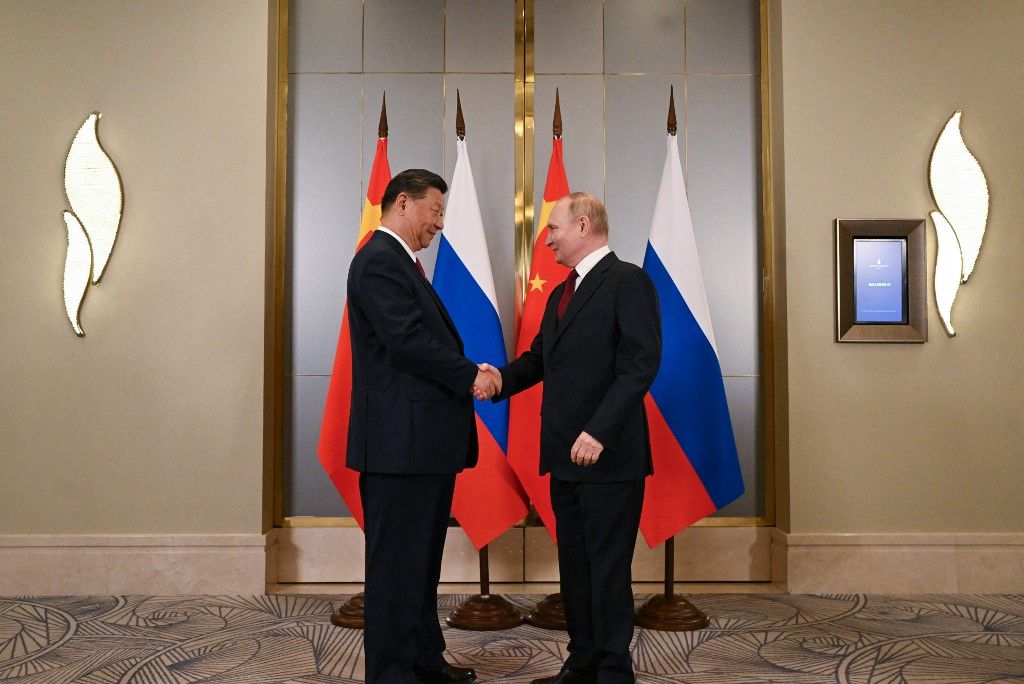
879	276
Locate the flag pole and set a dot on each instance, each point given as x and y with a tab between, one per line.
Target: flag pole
549	613
351	613
667	611
485	611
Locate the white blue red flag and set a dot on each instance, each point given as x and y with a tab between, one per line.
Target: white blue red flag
488	498
696	467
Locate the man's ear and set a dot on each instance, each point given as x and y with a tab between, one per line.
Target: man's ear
584	224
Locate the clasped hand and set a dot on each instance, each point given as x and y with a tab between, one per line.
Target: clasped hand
487	383
586	450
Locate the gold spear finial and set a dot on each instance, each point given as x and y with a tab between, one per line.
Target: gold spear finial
671	111
382	127
556	121
460	123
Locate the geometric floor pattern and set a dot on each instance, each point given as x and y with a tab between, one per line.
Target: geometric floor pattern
789	639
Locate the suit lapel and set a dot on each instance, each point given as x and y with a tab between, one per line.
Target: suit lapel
584	292
410	268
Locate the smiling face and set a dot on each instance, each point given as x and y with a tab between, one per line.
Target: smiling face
419	220
565	235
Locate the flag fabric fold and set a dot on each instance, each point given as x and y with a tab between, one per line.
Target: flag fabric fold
333	445
488	499
545	275
696	466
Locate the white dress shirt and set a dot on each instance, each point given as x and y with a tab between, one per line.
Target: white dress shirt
588	262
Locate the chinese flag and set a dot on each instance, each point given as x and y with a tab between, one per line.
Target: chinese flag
545	275
333	446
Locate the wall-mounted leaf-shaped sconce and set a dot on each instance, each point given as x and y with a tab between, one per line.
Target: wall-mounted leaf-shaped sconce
961	194
77	270
93	189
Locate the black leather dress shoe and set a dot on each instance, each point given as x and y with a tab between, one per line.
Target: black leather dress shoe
449	674
566	677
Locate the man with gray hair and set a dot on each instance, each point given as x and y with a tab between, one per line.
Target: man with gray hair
597	352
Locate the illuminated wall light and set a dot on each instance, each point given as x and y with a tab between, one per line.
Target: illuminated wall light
77	269
93	189
961	194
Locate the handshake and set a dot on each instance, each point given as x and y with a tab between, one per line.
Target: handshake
487	383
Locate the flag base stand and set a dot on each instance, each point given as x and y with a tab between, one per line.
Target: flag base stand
485	611
350	615
549	613
668	612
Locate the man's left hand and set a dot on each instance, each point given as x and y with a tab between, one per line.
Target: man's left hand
586	450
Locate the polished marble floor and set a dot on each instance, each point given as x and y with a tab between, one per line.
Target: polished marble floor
771	637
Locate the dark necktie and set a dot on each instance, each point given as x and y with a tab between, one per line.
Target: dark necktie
567	293
419	267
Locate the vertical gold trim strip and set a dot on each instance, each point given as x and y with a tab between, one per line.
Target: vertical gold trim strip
524	128
274	333
768	378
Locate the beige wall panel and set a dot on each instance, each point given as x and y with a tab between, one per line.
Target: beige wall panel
721	554
336	554
153	421
916	438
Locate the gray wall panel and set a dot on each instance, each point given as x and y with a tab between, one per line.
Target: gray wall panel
480	36
324	207
722	36
488	104
568	37
744	397
643	36
308	490
637	109
403	35
722	167
332	36
582	105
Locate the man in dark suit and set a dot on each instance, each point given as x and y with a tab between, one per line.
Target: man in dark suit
597	352
411	430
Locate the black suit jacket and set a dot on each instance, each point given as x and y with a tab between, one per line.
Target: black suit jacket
412	411
597	364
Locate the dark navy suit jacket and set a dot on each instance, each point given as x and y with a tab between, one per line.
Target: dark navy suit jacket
597	365
412	410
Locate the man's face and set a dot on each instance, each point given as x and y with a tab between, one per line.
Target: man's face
425	217
564	236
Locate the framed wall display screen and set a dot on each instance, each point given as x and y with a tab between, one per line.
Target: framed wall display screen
880	280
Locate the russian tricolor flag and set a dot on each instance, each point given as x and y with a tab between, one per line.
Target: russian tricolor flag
488	498
696	467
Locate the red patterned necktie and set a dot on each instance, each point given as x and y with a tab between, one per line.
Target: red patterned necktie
419	266
567	293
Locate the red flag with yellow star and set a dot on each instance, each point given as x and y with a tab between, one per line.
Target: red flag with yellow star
333	446
545	275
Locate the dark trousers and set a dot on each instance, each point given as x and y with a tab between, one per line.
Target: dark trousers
597	525
406	520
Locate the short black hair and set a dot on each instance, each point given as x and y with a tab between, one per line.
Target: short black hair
414	183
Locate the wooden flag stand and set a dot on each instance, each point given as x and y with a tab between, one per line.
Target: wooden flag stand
668	612
350	614
549	613
485	611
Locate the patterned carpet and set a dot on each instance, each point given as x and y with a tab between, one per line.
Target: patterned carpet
278	638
